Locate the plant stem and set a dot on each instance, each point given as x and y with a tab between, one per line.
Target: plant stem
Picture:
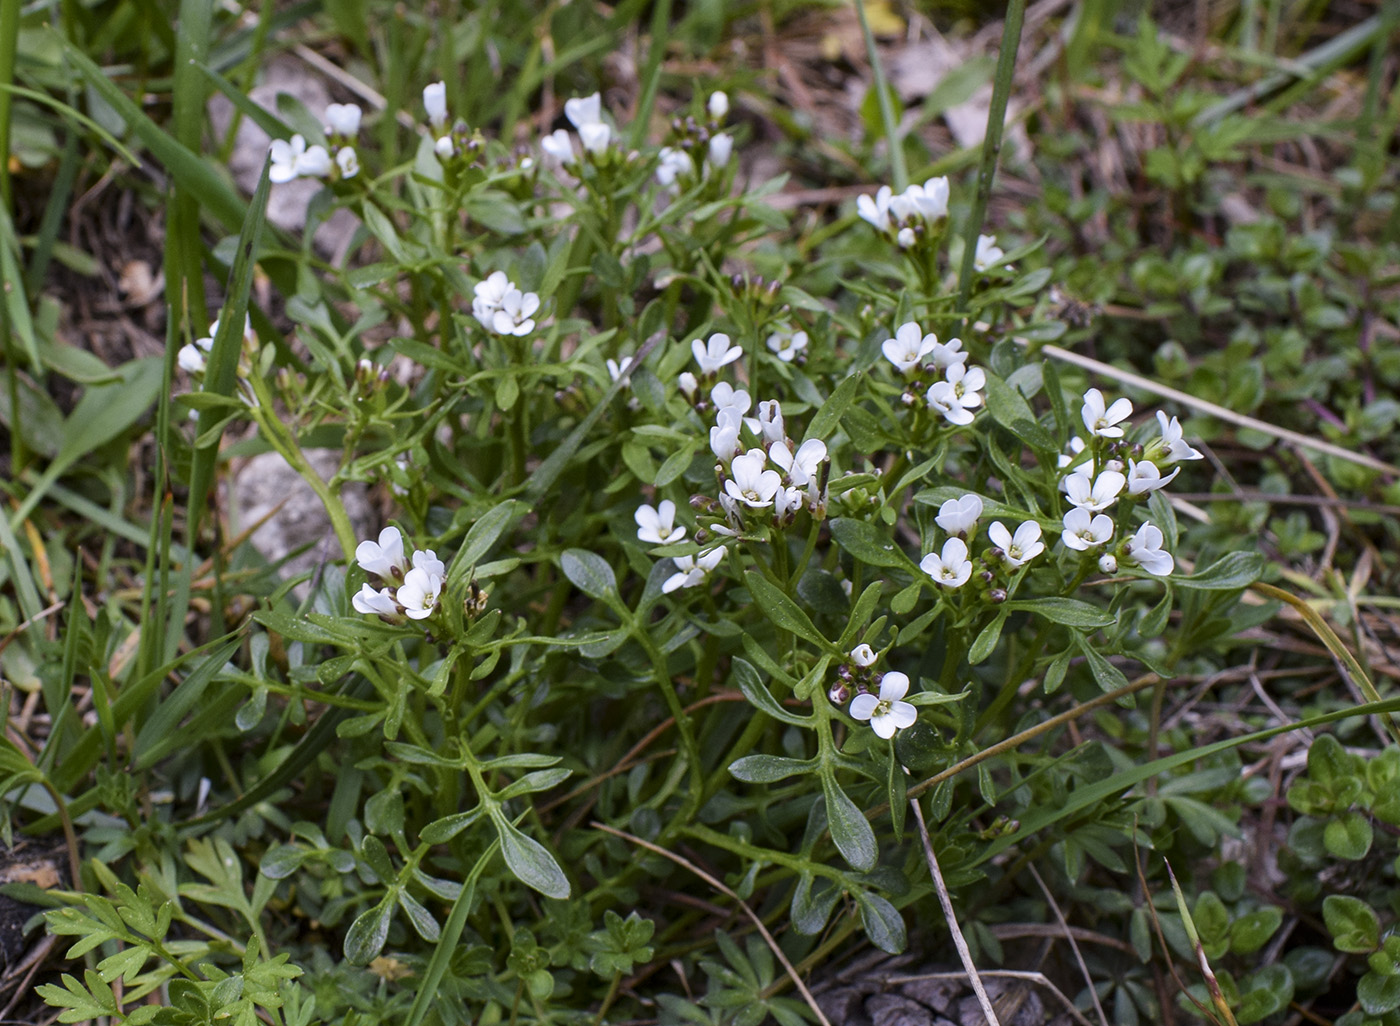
991	143
899	174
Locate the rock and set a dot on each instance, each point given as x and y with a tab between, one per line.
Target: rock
935	994
287	203
1016	1004
844	1006
896	1010
266	482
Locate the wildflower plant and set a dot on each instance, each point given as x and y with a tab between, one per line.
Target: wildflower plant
709	553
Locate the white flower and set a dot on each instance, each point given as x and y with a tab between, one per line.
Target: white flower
443	147
1082	533
750	483
348	161
906	238
192	357
584	110
787	500
958	395
515	317
726	397
294	159
721	146
724	436
687	384
863	655
787	344
490	294
658	526
952	568
908	347
616	369
692	569
558	146
378	603
1099	495
383	558
718	105
887	713
1176	446
959	516
1076	446
944	354
1108	563
1101	421
419	593
1145	549
801	466
988	253
595	138
770	422
674	164
876	210
426	559
343	119
931	200
714	354
435	103
1143	477
1022	548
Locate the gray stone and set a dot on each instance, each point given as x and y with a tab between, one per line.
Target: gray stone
896	1010
936	994
268	483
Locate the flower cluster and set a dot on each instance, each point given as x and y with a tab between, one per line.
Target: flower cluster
1094	480
952	567
956	389
293	158
918	212
884	709
412	585
696	145
595	135
502	308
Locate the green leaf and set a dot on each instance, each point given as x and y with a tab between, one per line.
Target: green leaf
811	908
1010	409
866	542
882	922
1352	923
1068	611
1265	993
781	610
747	680
765	769
1252	931
1378	994
368	933
1230	572
1348	836
590	574
824	422
987	638
849	828
1108	676
528	860
482	536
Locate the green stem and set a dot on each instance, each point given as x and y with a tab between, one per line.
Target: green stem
898	172
991	144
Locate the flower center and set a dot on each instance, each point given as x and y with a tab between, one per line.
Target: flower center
881	709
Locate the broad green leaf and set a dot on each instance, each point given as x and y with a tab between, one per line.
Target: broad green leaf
590	574
481	537
1352	923
1068	611
1348	836
1010	409
811	905
882	922
866	542
367	934
528	860
1230	572
849	828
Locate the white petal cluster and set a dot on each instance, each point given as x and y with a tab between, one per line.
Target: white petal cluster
502	308
911	349
905	215
412	585
1020	548
294	159
194	357
951	568
988	253
959	516
786	343
958	394
691	571
715	353
657	526
595	135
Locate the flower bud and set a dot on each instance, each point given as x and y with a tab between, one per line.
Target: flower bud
718	105
839	694
1108	564
997	595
